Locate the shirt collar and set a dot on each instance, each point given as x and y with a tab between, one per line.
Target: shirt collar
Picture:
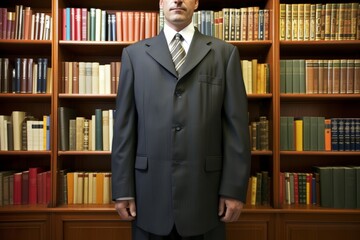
187	33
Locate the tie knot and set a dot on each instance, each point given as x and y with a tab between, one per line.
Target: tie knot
178	37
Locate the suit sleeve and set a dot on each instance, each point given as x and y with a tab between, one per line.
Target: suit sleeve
237	155
124	137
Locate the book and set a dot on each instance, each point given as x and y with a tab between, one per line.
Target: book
65	114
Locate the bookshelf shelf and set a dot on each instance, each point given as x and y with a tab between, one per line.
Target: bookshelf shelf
319	97
261	153
25	153
321	153
260	96
276	221
83	153
87	96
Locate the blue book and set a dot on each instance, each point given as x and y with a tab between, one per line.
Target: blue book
16	76
68	25
352	134
39	77
48	132
44	75
357	134
334	135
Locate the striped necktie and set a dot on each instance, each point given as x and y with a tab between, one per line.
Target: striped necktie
177	51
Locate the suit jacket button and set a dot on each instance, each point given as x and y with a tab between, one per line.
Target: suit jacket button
178	92
178	128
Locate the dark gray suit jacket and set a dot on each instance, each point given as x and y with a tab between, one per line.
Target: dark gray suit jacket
180	141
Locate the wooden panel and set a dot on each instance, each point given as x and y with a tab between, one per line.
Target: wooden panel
91	226
25	227
84	229
249	231
252	227
320	226
328	231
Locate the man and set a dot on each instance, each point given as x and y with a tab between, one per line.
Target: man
180	158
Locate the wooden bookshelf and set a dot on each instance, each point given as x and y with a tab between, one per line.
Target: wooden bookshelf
274	221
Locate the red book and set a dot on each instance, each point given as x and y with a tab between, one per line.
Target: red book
296	188
72	23
40	188
84	29
78	28
142	25
25	187
48	187
64	24
33	185
131	27
137	26
154	16
125	27
17	188
4	22
281	188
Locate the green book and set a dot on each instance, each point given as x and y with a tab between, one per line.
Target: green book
326	186
98	130
284	144
313	134
302	75
289	76
321	133
296	76
283	76
350	187
306	133
290	126
339	187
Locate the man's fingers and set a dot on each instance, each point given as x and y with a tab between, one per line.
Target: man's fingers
132	208
221	206
126	209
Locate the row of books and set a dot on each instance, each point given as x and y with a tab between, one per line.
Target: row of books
319	134
299	188
90	77
234	24
94	24
259	134
259	189
25	24
328	186
32	186
256	76
84	187
330	21
21	131
329	76
86	134
25	75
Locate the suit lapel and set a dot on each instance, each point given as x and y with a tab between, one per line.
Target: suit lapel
157	48
199	48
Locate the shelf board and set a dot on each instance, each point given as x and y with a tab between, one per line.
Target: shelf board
108	48
24	208
25	153
247	47
259	95
311	97
79	153
39	48
321	153
87	96
302	208
301	49
258	152
27	96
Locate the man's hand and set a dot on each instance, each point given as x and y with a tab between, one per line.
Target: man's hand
229	209
126	209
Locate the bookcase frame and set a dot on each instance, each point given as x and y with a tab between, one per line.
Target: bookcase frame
276	221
